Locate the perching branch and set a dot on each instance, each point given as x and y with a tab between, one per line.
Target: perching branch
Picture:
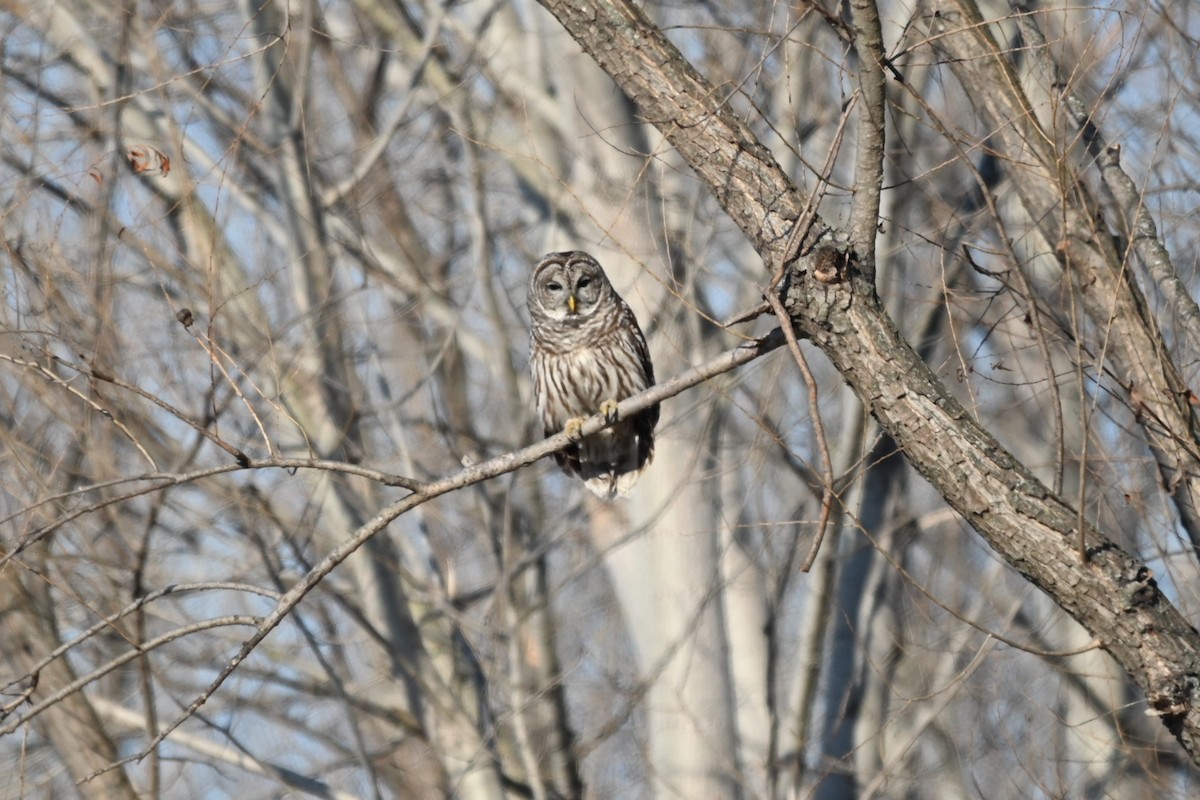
469	476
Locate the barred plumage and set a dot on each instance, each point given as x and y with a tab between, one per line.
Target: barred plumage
587	353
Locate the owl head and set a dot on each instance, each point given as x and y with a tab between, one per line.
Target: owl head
568	287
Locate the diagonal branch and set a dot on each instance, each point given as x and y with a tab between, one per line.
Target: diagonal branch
1112	595
471	475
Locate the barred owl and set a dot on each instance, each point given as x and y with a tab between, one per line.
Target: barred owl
587	353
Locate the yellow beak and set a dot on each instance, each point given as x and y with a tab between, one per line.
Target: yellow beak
571	303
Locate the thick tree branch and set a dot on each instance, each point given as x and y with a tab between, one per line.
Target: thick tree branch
1111	595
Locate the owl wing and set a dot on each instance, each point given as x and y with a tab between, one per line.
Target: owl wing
644	422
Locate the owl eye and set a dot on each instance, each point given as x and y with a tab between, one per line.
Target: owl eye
584	282
554	286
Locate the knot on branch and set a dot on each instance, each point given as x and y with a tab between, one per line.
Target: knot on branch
1174	699
831	265
819	288
1140	590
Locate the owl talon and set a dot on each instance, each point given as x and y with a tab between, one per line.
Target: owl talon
609	409
574	428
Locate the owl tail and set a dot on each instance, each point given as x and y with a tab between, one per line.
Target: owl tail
610	462
613	484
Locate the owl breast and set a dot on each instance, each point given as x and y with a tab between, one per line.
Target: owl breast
594	376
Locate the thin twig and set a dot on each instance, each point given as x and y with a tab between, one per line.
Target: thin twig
227	754
747	315
785	324
214	355
790	250
808	215
49	376
932	597
803	224
110	621
129	655
176	478
367	162
96	374
165	480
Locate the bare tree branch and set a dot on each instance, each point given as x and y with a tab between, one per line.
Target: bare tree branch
471	475
1113	596
1065	217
